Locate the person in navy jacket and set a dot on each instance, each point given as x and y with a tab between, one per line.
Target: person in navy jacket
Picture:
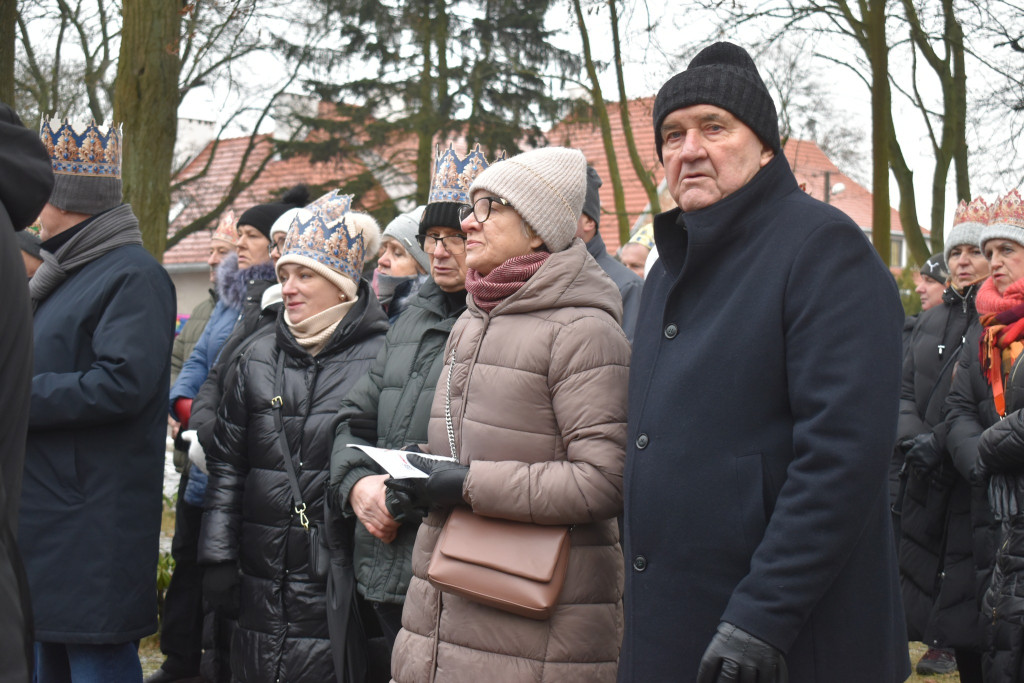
763	399
89	522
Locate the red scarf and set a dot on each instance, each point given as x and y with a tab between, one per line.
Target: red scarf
490	290
1002	315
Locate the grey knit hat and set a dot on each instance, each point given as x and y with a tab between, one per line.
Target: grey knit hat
403	229
968	223
1006	220
725	76
546	187
592	204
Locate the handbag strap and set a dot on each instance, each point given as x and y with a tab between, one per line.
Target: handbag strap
448	406
276	404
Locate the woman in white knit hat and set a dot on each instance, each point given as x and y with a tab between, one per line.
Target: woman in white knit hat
271	448
402	266
536	395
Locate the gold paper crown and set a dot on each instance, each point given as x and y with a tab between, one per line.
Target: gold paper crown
227	228
454	174
1008	210
91	153
976	212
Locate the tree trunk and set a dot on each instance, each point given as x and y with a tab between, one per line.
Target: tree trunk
645	175
8	21
606	128
146	104
878	56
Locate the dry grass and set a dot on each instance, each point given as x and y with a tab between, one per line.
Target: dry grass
917	651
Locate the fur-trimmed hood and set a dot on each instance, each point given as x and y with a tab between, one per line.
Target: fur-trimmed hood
232	281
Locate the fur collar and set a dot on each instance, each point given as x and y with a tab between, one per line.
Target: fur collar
233	282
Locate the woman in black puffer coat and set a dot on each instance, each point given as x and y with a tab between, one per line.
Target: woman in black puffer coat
252	540
985	385
937	572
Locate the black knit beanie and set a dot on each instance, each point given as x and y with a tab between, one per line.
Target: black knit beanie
935	268
262	216
592	204
723	75
440	215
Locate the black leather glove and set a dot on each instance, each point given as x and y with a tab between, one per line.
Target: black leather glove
442	487
402	506
220	587
1002	497
925	454
735	655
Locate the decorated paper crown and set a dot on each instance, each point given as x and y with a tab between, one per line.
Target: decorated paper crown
329	243
332	205
976	212
1008	211
91	153
453	175
227	228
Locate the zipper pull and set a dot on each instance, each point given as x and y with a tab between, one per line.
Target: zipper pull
942	348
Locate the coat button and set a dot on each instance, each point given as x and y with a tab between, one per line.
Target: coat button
639	563
671	331
642	441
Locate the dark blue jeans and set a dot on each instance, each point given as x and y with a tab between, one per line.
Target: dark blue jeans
65	663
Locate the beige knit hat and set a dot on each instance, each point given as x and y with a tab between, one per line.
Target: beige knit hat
545	186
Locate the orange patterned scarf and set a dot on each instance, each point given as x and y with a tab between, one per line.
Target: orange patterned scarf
1002	315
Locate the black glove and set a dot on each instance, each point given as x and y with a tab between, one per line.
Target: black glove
735	655
181	443
402	506
441	488
1002	497
220	587
924	455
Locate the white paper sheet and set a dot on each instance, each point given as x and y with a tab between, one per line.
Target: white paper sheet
395	462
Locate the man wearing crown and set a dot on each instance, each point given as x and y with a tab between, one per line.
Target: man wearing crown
89	521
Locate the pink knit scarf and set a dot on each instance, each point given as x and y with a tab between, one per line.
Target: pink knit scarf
490	290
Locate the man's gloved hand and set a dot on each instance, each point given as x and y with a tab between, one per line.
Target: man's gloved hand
441	488
735	655
220	587
1002	497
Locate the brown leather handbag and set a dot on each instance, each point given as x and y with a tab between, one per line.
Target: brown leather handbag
517	567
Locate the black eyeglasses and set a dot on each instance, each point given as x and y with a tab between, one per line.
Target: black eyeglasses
275	245
453	244
480	206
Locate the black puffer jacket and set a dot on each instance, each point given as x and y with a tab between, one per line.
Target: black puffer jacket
1001	455
936	554
395	398
970	411
282	628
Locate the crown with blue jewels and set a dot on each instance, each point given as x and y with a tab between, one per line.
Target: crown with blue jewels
327	242
332	205
454	174
91	153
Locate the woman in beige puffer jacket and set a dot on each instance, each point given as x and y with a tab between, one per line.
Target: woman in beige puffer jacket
538	406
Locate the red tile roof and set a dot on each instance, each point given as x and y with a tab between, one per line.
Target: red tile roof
809	165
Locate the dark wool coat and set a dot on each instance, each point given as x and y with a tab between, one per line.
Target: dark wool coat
94	467
389	408
282	627
936	549
25	184
762	411
629	283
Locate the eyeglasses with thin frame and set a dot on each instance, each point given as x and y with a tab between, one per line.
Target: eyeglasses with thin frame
453	244
482	205
275	245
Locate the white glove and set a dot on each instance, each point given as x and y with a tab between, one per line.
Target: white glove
195	450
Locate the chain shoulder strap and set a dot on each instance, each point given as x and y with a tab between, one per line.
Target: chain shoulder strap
448	406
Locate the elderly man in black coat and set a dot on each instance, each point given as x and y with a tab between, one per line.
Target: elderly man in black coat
25	183
762	413
91	503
